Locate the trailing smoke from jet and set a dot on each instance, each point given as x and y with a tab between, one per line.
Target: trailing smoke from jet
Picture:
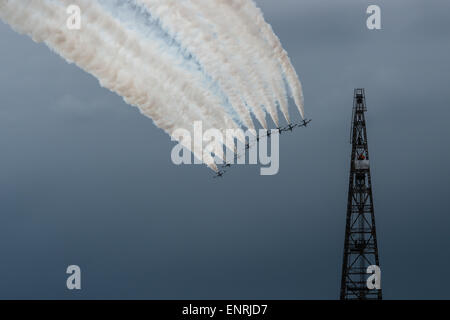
215	61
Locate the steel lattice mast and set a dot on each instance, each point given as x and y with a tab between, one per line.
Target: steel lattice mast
360	247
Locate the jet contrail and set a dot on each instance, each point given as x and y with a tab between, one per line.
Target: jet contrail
177	61
250	12
179	22
245	51
272	68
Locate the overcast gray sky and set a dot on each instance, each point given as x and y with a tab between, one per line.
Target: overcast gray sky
87	180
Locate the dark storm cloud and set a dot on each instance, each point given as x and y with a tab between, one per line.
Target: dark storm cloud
87	180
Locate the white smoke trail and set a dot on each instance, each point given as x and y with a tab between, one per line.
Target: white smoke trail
272	67
244	50
196	34
253	45
155	72
180	84
180	23
119	71
187	83
251	13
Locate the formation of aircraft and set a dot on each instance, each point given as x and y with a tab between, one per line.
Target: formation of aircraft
290	127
